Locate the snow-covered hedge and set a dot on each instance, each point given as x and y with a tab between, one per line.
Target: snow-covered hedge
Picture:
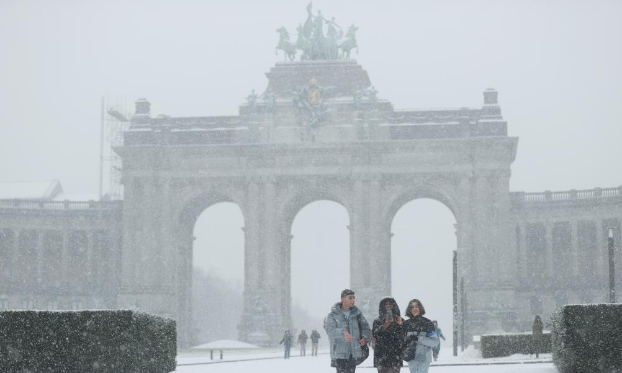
86	341
588	338
497	345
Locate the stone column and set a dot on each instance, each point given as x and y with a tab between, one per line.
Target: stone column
522	251
150	268
358	238
550	270
167	250
13	258
273	264
385	247
253	268
65	258
501	244
286	277
464	229
40	256
90	281
184	287
574	231
574	261
131	232
602	262
481	229
378	255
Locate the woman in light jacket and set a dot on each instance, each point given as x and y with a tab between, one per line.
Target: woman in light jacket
420	338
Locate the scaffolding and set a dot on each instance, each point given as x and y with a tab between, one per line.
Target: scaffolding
114	121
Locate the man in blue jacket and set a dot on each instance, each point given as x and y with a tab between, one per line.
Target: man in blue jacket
347	331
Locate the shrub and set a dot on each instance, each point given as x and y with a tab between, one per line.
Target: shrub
498	345
588	338
86	341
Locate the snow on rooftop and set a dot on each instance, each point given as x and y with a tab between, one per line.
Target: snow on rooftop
43	190
76	197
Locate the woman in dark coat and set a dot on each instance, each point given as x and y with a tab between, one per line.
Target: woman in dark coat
388	334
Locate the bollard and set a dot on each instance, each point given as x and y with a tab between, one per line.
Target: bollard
220	354
211	354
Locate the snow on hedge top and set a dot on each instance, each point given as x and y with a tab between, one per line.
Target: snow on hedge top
225	344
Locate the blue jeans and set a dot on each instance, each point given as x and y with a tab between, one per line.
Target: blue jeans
418	366
287	348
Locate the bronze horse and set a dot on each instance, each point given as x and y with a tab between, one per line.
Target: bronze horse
288	48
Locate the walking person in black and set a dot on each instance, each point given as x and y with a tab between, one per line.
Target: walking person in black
315	339
388	333
536	335
287	340
302	341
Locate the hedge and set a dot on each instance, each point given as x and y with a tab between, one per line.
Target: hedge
498	345
86	341
588	338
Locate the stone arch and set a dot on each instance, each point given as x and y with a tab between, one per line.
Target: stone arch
451	196
296	199
197	200
185	213
293	200
404	194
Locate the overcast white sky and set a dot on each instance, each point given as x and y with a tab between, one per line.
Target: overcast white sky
556	65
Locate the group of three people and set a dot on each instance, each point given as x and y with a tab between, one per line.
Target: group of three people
396	339
288	338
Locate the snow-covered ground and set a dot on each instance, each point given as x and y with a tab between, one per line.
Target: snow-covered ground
271	360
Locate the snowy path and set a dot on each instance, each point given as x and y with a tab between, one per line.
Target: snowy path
320	364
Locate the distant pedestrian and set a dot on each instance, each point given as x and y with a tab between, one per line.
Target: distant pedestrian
536	336
287	341
302	341
388	332
437	349
347	331
420	338
315	339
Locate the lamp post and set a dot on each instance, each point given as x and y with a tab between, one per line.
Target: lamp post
612	289
463	313
455	301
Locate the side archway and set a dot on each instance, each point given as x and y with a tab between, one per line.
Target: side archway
189	208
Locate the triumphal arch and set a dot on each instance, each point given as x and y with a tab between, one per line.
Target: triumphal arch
319	131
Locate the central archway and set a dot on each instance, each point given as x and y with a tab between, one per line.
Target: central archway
320	245
422	245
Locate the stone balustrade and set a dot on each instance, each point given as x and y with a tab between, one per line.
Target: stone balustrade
58	205
520	198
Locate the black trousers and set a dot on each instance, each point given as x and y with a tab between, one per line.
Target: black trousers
345	365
